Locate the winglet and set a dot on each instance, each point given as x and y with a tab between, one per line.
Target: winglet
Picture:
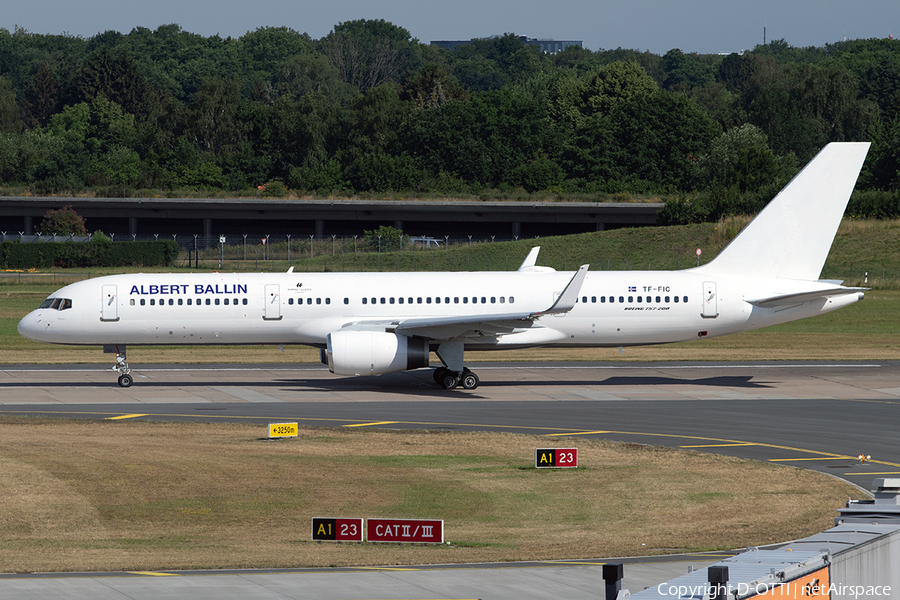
569	296
531	259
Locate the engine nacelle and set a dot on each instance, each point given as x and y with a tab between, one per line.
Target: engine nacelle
374	352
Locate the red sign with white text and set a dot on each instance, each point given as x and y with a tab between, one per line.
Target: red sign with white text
556	458
405	530
339	530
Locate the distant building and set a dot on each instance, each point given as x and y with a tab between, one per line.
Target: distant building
546	45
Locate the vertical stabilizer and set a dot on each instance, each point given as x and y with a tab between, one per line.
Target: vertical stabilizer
791	236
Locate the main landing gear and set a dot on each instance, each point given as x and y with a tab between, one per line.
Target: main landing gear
122	368
453	373
448	379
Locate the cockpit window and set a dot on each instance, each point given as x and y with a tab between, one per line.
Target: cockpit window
57	303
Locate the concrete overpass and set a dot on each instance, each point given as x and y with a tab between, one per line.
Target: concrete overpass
437	218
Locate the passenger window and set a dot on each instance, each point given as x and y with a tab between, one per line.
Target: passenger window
143	302
382	301
428	300
327	300
511	299
437	300
483	300
418	301
400	300
502	299
474	300
346	300
594	299
657	299
584	299
456	300
409	301
208	301
639	299
667	299
290	301
649	299
630	299
318	301
226	301
365	300
446	300
309	300
189	301
493	300
171	302
676	299
131	302
152	301
622	299
392	299
603	299
684	299
180	302
244	301
465	299
374	300
217	301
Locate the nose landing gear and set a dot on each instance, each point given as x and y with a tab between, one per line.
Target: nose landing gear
121	367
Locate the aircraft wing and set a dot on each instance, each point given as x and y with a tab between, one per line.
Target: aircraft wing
444	328
797	298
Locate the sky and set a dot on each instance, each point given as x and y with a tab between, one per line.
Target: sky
703	26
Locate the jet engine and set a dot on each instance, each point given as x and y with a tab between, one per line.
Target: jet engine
373	353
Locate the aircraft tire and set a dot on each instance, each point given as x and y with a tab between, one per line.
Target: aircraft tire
439	374
469	380
125	380
449	381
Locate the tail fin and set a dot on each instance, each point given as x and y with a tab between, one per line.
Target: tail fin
791	237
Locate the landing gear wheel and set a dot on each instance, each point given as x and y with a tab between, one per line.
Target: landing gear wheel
449	381
125	380
439	374
469	380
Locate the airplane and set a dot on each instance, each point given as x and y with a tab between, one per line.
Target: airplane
376	323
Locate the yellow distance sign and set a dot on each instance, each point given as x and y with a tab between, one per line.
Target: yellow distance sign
280	430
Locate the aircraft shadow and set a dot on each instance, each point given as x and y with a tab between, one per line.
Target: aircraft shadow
410	384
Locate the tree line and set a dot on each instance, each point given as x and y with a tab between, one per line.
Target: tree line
369	108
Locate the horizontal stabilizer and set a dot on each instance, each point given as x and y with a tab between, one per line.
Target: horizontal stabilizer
789	299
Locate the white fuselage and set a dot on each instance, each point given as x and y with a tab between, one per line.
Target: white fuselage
613	308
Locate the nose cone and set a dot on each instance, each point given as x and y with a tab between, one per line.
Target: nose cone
33	326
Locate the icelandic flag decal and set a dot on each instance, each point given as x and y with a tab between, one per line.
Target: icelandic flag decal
632	288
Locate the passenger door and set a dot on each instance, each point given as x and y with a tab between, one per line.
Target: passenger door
110	308
272	311
710	301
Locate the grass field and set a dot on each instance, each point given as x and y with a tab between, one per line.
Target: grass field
147	496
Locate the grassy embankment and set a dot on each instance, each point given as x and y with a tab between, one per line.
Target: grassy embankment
864	331
147	496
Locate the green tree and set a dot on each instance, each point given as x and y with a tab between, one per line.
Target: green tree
368	53
741	158
62	221
9	109
385	238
